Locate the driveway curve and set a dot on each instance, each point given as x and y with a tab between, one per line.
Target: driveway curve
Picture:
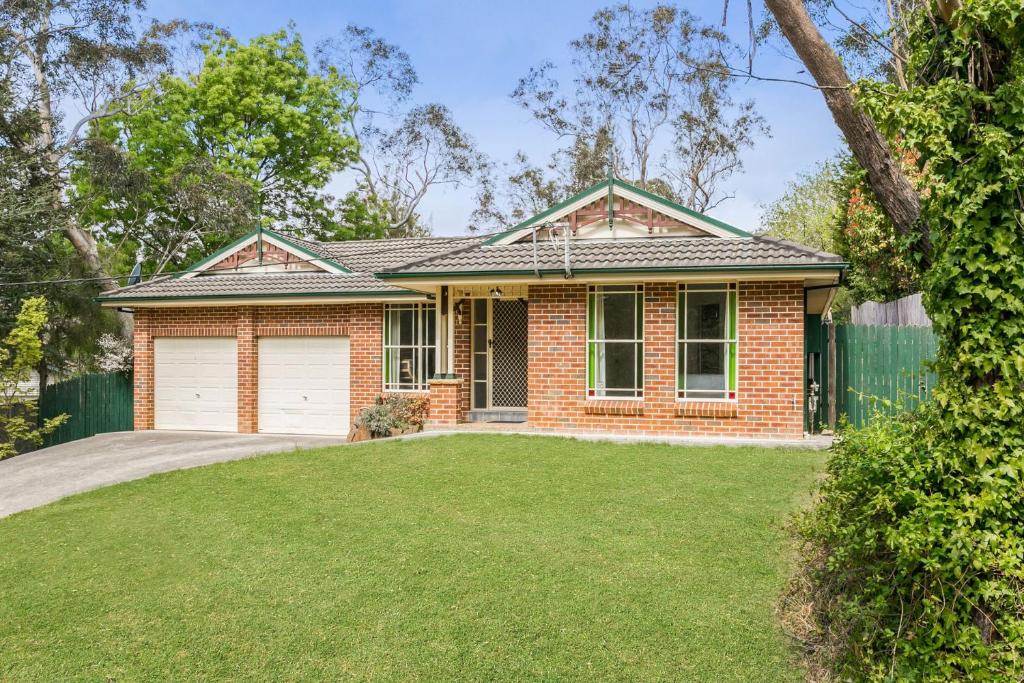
49	474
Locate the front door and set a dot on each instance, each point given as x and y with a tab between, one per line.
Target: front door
499	353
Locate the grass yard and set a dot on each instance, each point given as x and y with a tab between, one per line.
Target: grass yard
471	557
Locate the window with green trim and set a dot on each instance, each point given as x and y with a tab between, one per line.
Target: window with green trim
409	346
615	341
706	345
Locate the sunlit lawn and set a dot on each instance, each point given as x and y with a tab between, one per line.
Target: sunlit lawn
471	557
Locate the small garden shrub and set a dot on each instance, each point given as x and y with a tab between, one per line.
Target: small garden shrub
911	562
394	412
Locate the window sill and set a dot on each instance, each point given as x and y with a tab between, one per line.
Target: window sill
718	409
614	406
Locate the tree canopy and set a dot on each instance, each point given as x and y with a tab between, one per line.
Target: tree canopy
915	551
253	136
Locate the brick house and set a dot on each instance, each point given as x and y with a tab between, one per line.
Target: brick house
616	311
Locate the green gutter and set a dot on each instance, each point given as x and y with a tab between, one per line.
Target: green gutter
288	295
622	271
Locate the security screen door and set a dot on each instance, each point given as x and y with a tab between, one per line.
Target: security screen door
499	353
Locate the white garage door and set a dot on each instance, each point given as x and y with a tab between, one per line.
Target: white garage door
304	385
196	383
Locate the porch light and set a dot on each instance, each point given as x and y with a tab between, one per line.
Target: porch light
458	311
496	293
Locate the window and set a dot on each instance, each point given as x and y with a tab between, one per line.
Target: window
615	341
409	345
706	353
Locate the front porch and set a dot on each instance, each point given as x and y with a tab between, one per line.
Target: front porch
577	358
482	356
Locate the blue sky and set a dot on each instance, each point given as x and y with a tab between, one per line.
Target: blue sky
469	56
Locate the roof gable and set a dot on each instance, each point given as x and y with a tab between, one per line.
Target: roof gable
270	249
630	206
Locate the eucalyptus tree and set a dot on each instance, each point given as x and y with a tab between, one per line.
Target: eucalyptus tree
405	149
65	55
658	80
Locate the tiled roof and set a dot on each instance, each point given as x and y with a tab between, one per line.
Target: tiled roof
427	257
371	256
643	253
258	285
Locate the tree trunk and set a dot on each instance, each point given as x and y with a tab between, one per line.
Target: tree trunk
81	240
894	191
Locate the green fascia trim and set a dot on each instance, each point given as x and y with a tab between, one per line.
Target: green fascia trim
679	207
215	256
623	271
544	214
212	258
303	250
632	188
289	295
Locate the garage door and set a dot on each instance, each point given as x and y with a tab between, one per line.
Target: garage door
196	383
303	385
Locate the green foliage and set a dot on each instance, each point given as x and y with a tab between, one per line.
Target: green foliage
254	135
393	412
20	352
881	262
916	544
915	551
807	211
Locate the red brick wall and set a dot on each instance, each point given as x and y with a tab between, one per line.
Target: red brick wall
770	366
360	322
770	361
445	401
463	357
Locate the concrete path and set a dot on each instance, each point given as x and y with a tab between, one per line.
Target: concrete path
46	475
812	441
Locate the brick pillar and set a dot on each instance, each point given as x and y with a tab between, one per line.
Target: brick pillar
248	372
445	401
142	344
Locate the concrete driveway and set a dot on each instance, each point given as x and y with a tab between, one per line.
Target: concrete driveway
34	479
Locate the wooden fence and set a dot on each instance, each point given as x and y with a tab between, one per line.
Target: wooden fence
882	362
96	403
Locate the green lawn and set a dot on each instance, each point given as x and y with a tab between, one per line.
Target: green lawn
472	557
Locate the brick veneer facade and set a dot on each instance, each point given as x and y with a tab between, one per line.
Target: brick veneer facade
770	344
362	323
769	394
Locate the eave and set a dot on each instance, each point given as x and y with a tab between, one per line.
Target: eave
261	300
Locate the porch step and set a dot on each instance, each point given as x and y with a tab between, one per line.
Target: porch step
496	415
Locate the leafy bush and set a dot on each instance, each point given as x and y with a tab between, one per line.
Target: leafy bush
912	558
394	411
20	352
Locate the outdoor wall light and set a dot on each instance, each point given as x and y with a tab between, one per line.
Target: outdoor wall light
496	293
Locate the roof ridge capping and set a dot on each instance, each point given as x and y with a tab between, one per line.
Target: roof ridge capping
622	184
472	245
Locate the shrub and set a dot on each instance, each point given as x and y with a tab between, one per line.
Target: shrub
911	562
393	411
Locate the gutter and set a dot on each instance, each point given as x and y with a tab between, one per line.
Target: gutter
840	266
117	300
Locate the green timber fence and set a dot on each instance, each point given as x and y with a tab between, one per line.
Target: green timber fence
882	362
97	403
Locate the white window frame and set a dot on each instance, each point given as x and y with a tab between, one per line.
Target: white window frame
681	311
638	390
423	349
